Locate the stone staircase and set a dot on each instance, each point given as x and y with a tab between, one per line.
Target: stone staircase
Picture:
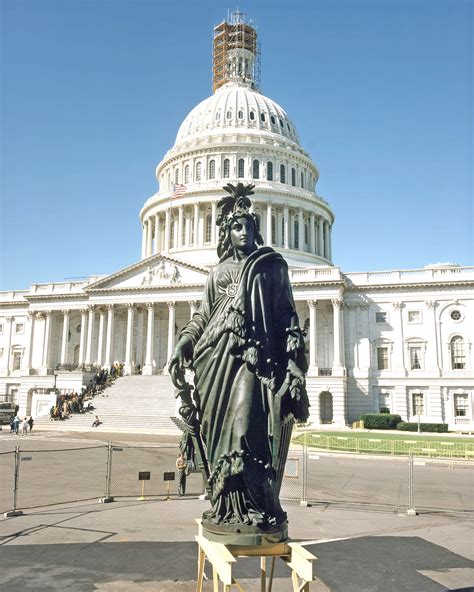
131	403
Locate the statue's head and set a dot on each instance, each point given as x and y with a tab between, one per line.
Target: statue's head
238	226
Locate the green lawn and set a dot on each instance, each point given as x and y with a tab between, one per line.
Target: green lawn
370	442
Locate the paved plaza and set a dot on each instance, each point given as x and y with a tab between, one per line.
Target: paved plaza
133	545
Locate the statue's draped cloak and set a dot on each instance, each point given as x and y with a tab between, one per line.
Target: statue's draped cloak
243	335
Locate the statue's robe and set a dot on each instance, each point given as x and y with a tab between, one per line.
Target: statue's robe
243	335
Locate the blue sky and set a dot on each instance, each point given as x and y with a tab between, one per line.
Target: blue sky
93	93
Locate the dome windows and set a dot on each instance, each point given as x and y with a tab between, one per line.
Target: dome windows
270	170
186	174
240	114
228	115
217	115
198	171
240	168
281	122
282	174
226	168
293	177
263	117
255	169
272	119
252	115
176	176
212	169
302	180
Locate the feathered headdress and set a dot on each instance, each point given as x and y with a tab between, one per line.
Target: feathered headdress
232	206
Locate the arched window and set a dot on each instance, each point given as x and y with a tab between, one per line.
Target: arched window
198	171
228	114
240	167
226	167
218	115
282	174
252	115
240	114
256	169
208	229
176	176
262	117
270	171
273	230
293	177
272	119
296	234
302	180
212	169
186	173
458	355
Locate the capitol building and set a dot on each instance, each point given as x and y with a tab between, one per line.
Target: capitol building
398	341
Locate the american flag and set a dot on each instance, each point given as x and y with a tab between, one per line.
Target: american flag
178	190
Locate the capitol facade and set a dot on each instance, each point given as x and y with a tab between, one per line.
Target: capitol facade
398	341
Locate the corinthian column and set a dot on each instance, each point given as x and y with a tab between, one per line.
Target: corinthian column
90	334
312	334
128	369
148	367
213	222
65	338
196	224
100	345
109	346
269	224
167	231
29	342
338	341
300	229
286	226
83	337
171	329
47	340
320	237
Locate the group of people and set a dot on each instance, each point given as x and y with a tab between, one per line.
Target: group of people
69	403
16	423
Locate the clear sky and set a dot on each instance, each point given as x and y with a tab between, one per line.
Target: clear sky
93	93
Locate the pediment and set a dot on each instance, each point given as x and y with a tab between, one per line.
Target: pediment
154	272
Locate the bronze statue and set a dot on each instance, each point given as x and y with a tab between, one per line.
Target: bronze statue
246	349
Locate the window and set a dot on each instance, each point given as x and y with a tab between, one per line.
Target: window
19	328
382	358
380	317
281	122
229	114
1	352
252	115
461	404
212	169
183	234
293	177
306	232
273	229
240	114
302	180
176	176
172	233
240	168
16	361
282	173
218	115
186	173
262	117
226	168
458	356
272	119
414	316
296	233
415	357
270	171
418	404
384	402
256	169
198	171
208	229
1	328
191	231
456	315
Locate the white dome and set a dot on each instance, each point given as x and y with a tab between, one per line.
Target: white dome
233	107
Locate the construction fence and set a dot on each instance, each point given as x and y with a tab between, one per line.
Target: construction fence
413	484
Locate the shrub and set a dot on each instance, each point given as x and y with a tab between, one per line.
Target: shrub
406	426
380	421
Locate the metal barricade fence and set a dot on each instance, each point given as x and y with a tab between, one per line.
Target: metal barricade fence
7	480
294	474
48	477
127	461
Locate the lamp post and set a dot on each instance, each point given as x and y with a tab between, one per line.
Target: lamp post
55	373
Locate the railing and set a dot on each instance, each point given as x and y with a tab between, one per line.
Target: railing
412	275
324	371
77	367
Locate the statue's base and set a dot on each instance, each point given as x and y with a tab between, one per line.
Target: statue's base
233	534
223	558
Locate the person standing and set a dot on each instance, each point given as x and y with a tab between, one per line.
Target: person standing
31	422
181	465
16	424
24	427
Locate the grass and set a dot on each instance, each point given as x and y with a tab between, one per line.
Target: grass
363	442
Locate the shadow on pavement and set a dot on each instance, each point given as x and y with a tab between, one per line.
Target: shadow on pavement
367	564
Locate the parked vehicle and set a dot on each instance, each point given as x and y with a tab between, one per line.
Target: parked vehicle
6	411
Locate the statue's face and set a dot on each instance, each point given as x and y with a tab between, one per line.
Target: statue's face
242	234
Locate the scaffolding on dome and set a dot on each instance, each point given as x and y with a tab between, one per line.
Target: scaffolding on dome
236	51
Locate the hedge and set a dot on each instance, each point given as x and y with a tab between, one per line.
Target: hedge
406	426
380	421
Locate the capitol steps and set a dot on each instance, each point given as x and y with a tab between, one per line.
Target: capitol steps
131	403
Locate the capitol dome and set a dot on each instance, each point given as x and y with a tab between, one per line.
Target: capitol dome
237	135
233	107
